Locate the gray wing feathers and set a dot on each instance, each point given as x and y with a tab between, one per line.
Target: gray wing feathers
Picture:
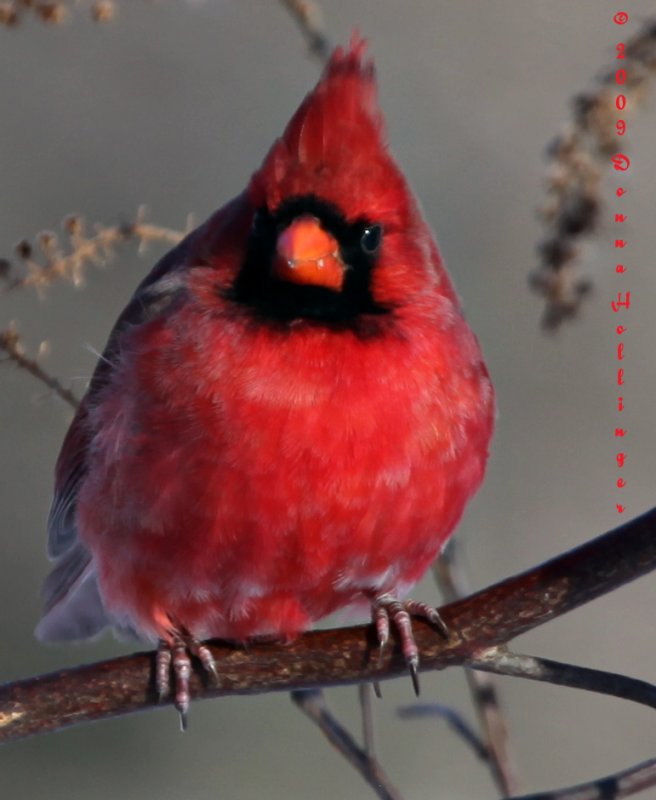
72	602
62	534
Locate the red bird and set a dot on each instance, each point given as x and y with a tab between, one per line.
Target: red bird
289	417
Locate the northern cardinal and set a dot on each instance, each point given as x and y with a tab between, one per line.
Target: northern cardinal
289	416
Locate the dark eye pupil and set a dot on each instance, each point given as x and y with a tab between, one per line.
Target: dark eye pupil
258	219
370	239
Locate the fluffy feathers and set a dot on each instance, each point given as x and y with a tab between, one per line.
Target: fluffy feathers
235	470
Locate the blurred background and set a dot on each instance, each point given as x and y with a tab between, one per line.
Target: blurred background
174	104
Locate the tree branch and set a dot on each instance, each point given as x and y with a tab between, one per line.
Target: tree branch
503	662
454	720
310	21
347	655
612	787
52	12
363	760
450	576
55	264
11	344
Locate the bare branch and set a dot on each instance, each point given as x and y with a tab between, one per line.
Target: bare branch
55	264
54	12
612	787
309	19
348	655
577	160
455	721
450	577
504	662
368	727
313	704
10	343
362	759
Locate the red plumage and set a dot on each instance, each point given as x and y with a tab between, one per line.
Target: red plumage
237	470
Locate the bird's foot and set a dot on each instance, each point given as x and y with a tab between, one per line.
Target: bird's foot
174	659
386	610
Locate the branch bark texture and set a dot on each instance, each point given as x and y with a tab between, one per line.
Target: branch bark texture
484	620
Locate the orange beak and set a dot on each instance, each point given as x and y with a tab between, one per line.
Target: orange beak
308	254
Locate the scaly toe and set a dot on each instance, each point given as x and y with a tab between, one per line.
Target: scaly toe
386	611
163	671
204	655
428	613
173	669
182	673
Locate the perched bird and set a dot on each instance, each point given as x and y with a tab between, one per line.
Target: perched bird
289	416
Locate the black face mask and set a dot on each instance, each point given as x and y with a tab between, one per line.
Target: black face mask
270	297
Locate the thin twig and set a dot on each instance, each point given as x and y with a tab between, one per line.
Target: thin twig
368	727
11	344
54	264
456	722
577	160
613	787
504	662
309	19
477	623
52	12
450	576
313	705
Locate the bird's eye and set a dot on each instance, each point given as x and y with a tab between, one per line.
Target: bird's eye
371	239
259	219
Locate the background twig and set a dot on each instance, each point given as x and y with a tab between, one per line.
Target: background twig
577	160
11	344
362	759
502	661
612	787
309	18
52	12
450	576
53	263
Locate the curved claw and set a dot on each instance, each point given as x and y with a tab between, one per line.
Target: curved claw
204	655
184	720
429	613
413	666
387	609
381	653
173	658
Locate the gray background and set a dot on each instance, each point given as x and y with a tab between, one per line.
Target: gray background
174	105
